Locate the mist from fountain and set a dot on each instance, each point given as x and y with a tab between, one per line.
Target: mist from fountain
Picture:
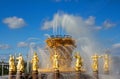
29	58
44	58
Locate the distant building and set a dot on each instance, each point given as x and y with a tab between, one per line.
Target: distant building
4	68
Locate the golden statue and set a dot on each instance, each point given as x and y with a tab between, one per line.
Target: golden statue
106	62
11	63
20	65
35	61
55	62
95	62
79	62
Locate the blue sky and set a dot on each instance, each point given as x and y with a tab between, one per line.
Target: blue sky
22	21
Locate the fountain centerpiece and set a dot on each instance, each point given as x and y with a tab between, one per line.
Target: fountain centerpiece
63	46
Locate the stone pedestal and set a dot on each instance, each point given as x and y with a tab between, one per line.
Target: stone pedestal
78	75
34	74
11	75
19	75
56	74
96	75
43	76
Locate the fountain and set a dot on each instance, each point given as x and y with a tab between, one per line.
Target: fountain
61	56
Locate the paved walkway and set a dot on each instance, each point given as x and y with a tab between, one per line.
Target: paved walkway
4	77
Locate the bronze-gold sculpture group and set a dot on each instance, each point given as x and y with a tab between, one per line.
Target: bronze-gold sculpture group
59	62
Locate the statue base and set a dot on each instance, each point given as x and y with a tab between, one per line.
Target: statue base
19	75
78	75
56	74
95	74
34	74
43	76
11	75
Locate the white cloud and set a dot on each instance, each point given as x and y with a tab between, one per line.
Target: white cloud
98	28
75	23
108	24
115	49
117	45
4	46
14	22
22	44
90	21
